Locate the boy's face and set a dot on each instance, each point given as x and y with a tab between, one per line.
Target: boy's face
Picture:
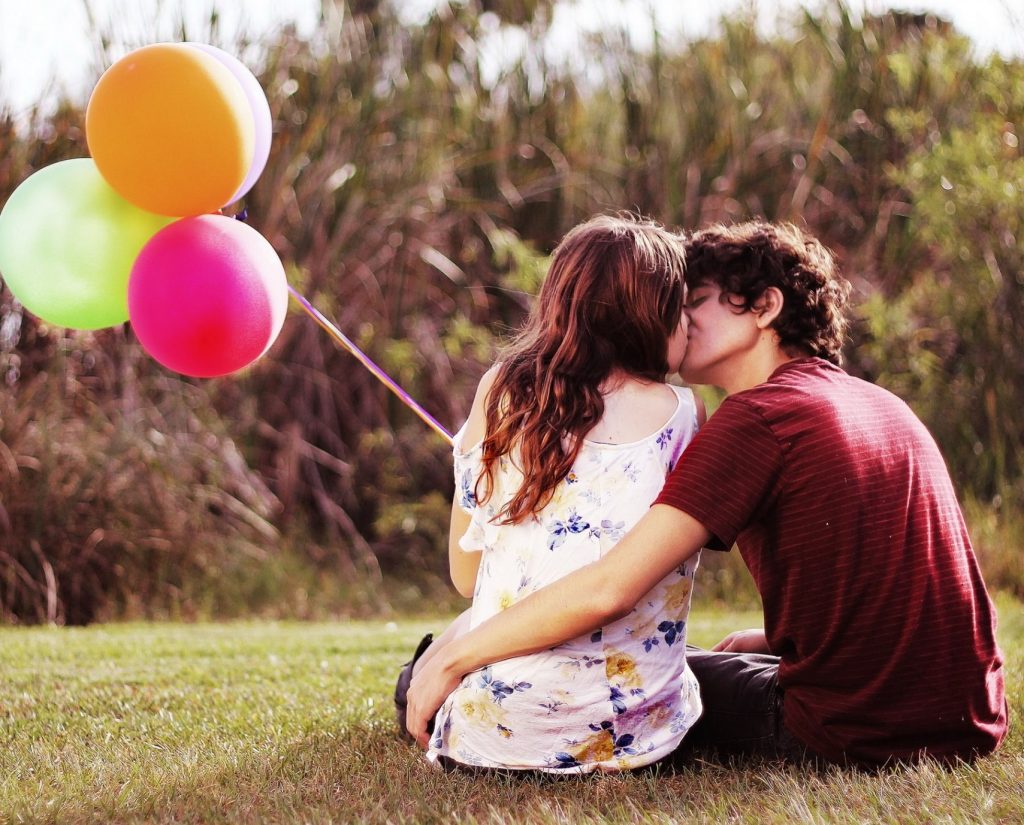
720	338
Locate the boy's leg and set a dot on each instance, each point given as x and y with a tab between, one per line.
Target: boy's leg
742	708
426	649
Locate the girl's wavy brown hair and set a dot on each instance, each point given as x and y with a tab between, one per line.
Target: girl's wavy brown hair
612	297
746	259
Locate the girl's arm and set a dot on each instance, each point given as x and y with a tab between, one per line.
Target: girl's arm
462	565
584	600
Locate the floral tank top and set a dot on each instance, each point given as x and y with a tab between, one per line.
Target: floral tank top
615	699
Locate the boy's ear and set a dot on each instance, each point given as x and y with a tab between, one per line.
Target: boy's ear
768	307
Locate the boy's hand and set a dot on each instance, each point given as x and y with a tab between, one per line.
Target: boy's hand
744	641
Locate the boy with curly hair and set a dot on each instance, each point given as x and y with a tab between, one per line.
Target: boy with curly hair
878	642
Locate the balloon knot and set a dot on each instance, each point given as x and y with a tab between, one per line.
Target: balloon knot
243	215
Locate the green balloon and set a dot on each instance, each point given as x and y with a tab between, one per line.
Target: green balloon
67	245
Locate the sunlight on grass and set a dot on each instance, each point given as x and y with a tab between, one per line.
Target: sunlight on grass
288	722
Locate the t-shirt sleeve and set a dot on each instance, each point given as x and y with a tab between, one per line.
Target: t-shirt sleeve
727	474
467	470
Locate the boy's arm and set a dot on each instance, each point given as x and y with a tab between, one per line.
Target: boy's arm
584	600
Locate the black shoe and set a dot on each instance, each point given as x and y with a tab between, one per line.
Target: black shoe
402	687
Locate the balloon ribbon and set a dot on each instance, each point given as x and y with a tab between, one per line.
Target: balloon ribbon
364	359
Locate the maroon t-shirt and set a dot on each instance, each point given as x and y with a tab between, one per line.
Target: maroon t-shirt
843	510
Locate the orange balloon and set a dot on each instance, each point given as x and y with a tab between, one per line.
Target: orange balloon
171	130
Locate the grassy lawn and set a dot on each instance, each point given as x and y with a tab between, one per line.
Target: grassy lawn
271	722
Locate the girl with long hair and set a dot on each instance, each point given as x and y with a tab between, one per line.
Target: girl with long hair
569	440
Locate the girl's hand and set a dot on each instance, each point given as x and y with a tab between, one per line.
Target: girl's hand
431	685
744	641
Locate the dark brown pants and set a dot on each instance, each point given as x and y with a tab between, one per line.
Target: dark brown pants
742	709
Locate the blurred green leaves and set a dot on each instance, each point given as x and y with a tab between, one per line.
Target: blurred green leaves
966	188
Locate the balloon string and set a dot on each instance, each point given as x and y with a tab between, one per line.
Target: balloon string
364	359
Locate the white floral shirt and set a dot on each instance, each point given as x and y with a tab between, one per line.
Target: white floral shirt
616	699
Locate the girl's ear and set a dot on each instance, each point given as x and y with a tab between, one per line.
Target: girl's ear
768	307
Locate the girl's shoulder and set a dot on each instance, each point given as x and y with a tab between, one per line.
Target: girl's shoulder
689	415
690	405
470	436
637	414
684	394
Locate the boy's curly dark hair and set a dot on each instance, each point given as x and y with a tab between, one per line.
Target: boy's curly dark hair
745	259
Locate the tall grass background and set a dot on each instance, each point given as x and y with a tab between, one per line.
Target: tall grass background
414	194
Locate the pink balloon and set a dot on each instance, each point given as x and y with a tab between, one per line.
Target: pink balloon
207	296
260	114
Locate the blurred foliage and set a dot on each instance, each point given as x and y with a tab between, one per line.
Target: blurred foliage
414	191
966	309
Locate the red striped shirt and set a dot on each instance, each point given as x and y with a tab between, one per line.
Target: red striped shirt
843	509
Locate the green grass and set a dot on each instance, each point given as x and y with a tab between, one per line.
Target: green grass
268	722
